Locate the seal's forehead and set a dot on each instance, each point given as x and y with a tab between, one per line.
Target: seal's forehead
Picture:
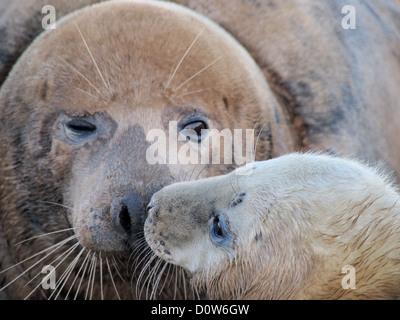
157	32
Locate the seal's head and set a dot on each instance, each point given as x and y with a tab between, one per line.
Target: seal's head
284	231
82	109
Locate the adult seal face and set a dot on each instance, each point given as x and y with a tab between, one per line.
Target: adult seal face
74	115
291	229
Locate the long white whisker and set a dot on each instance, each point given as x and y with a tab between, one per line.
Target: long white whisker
56	204
60	244
184	284
87	93
148	253
155	286
176	283
86	263
116	269
180	61
139	245
197	293
150	276
36	254
112	279
167	277
196	74
77	274
191	92
101	277
94	276
91	55
68	252
144	250
70	269
79	73
90	271
44	235
51	263
139	292
142	273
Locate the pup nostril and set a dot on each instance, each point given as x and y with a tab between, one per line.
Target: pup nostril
125	218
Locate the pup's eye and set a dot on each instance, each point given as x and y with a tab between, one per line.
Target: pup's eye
217	227
219	232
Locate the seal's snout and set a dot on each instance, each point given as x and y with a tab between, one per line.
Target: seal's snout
152	208
128	212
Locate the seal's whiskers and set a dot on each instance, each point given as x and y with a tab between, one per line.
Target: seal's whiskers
91	56
55	247
86	263
191	92
66	252
65	276
116	268
44	235
151	278
180	62
77	274
158	279
196	74
101	277
82	76
92	276
112	279
141	275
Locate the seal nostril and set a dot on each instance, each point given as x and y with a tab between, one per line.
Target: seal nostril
125	218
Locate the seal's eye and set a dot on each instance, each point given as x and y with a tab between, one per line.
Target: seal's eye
218	229
197	127
219	232
195	131
194	128
79	130
81	126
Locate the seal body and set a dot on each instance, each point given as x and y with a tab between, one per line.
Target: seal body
78	105
75	117
337	88
290	229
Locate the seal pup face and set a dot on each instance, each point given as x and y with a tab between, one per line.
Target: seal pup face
283	232
77	109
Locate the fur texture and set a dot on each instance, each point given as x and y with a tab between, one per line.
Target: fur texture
300	220
74	115
287	70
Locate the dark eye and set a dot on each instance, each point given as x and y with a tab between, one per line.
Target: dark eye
218	229
219	232
81	126
197	127
79	130
195	130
